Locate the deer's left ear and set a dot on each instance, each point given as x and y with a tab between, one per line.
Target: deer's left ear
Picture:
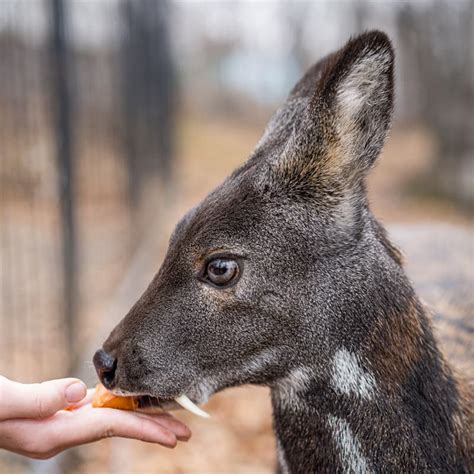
342	130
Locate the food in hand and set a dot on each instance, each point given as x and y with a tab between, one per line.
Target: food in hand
104	399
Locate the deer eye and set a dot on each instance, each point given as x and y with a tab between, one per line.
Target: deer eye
222	271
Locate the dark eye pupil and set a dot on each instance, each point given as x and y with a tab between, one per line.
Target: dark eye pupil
221	271
219	268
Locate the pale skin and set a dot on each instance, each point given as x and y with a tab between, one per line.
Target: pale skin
33	421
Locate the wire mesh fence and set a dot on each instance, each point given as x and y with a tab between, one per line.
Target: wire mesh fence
82	129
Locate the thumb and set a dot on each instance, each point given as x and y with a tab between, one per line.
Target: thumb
39	400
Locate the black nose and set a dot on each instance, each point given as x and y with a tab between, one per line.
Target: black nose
105	365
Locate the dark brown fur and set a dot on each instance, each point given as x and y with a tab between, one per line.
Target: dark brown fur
322	311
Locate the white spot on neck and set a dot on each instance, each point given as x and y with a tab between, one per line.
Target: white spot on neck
287	391
288	388
284	469
260	361
348	377
350	450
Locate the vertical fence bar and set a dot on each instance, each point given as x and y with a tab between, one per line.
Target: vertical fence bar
61	94
148	92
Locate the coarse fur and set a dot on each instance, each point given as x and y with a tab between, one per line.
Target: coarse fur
322	313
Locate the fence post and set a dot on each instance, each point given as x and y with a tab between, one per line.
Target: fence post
61	95
148	89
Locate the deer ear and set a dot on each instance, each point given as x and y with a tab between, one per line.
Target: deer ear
343	127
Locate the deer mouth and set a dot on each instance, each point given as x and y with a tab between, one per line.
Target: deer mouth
148	402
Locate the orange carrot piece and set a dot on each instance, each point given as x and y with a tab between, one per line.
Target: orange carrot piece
104	399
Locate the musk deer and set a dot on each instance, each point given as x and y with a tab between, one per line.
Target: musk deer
283	277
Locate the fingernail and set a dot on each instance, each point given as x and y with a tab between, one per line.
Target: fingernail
75	392
185	434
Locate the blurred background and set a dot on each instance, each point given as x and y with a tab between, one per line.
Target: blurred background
117	116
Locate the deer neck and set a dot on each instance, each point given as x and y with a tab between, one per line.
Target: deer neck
392	405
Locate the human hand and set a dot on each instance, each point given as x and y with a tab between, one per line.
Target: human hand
33	421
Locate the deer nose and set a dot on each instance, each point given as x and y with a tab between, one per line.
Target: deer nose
105	366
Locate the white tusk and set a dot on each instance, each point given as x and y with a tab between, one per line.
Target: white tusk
187	404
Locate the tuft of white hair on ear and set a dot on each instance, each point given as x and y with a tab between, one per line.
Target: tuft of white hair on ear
364	85
359	91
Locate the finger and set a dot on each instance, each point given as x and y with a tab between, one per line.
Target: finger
85	401
41	400
130	425
180	430
89	396
88	425
165	419
45	438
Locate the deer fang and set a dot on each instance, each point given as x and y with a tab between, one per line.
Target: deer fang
187	404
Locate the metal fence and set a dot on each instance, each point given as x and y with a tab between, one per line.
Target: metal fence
85	124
